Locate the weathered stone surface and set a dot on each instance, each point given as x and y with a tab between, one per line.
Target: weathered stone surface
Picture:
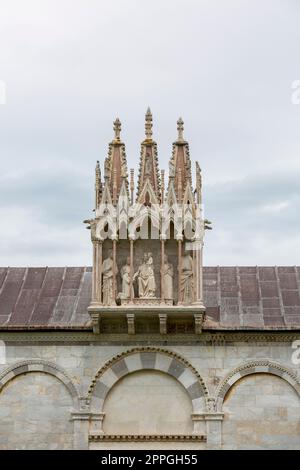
257	414
265	398
34	414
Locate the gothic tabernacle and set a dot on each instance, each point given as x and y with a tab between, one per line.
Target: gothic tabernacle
147	248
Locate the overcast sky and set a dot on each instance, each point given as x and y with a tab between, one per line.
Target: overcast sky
226	66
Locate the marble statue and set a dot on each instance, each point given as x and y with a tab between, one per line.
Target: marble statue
107	279
145	277
167	273
125	275
186	284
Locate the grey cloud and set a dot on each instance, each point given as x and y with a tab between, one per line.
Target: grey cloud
226	67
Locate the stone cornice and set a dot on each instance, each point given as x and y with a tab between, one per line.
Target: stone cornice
147	437
215	338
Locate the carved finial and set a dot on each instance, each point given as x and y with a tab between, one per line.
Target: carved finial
148	124
107	169
117	128
98	185
180	129
97	170
131	184
162	177
198	183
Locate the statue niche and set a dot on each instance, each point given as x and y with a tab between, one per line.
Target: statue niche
107	279
168	275
125	276
186	284
145	278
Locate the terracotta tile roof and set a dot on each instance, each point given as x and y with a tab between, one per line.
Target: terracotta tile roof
235	297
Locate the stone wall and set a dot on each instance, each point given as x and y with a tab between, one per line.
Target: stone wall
47	389
35	414
261	412
148	402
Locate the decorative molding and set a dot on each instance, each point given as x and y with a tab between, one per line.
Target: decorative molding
255	367
141	350
210	416
39	365
147	301
213	338
147	437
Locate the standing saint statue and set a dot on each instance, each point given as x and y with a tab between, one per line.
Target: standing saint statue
186	284
125	275
167	273
145	277
107	279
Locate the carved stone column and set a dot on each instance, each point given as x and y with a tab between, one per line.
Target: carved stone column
179	242
198	244
212	421
194	275
81	430
131	241
162	254
97	272
214	430
114	268
94	273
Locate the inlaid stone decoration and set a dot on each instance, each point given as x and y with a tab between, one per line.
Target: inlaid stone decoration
134	235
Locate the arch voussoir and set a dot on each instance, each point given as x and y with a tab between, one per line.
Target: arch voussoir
147	358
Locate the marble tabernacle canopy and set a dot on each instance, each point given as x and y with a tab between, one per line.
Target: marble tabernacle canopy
147	248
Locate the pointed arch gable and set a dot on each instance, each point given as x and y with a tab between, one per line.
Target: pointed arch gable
147	358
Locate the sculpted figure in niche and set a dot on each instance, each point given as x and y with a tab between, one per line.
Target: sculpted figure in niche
186	284
145	277
167	273
107	279
125	275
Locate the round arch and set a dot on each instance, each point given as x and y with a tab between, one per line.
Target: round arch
38	365
147	358
255	367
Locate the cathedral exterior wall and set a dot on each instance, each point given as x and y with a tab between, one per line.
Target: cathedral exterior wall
66	392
